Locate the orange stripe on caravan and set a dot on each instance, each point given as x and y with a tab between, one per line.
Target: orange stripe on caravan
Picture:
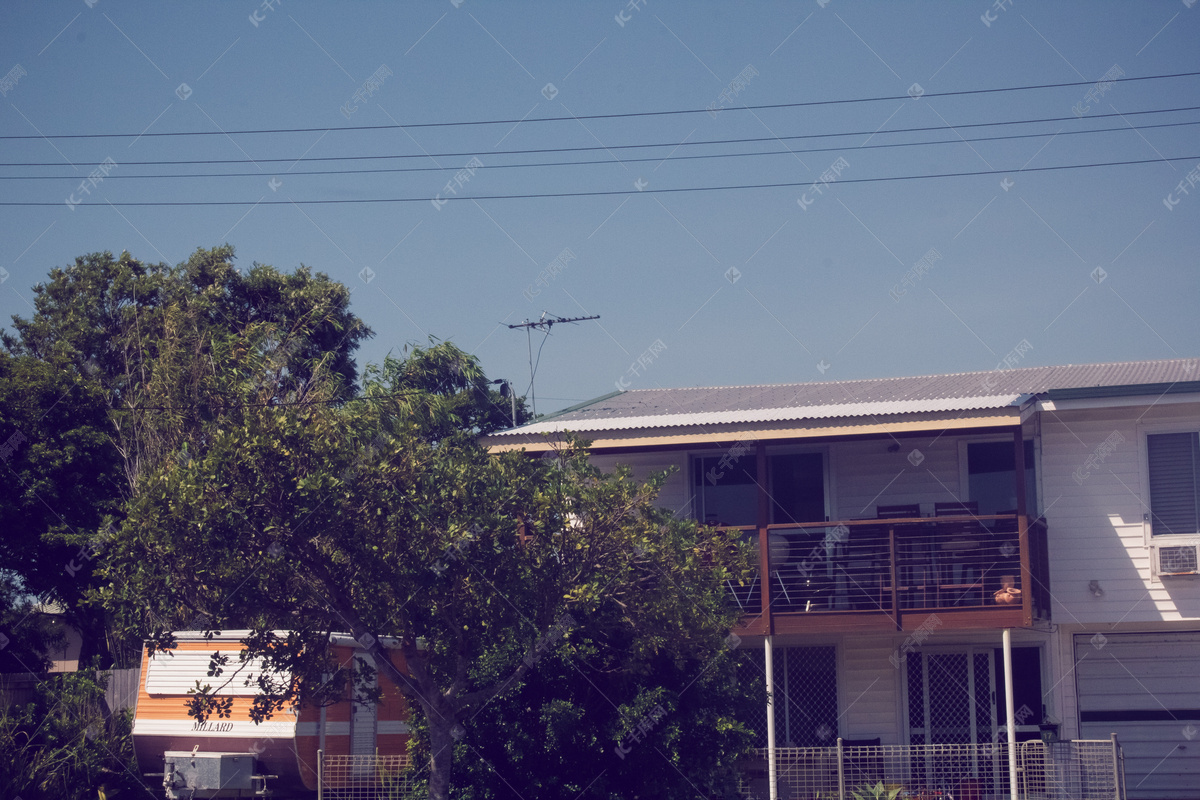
174	706
392	707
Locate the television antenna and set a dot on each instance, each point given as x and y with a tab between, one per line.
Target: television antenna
544	324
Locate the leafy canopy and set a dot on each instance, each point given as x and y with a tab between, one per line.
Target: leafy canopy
384	516
122	366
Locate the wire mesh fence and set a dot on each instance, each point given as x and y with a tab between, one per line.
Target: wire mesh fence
364	777
1074	770
1069	769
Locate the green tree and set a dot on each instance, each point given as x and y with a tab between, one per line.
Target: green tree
125	364
602	718
141	331
59	479
26	636
383	516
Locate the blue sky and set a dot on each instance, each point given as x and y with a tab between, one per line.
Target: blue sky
705	288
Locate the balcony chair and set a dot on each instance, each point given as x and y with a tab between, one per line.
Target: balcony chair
956	508
961	555
914	562
905	511
866	566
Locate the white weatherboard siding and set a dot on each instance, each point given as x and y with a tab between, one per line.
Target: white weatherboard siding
1143	687
1095	517
868	689
675	495
865	475
862	475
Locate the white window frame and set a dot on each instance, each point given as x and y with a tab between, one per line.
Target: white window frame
1033	505
826	470
1143	434
1153	542
948	648
693	456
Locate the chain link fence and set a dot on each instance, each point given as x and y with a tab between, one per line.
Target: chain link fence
364	777
1073	770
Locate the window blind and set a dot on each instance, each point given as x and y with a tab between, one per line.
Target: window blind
1174	503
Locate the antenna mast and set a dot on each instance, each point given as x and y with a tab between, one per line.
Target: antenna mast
544	324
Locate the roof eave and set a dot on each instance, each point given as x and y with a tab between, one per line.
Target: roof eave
711	435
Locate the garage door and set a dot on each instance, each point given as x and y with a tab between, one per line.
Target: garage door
1145	687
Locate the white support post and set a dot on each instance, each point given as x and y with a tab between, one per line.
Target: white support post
769	661
1010	713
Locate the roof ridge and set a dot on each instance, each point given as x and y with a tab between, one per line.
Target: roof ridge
892	378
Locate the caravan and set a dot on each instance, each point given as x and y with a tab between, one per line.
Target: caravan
233	756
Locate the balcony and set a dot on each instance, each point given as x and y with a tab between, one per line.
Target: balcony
953	572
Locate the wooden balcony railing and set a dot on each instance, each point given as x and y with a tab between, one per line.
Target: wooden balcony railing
970	571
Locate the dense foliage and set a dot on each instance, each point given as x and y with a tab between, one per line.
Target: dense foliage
123	364
65	745
386	517
198	452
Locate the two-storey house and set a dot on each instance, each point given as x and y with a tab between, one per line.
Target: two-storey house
926	543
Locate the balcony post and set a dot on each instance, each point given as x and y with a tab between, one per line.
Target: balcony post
1019	469
1009	704
764	536
1023	525
893	576
764	589
1026	570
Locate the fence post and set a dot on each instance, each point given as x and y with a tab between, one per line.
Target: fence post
1118	776
841	772
320	774
772	753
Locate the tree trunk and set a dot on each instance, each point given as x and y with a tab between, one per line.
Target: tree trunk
441	756
90	624
439	713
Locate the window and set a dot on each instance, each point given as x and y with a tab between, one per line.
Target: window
1173	459
991	477
809	695
806	710
957	696
797	488
727	488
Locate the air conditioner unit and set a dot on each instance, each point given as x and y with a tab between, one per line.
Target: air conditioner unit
1176	560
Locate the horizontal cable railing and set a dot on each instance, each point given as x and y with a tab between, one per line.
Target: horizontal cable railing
881	566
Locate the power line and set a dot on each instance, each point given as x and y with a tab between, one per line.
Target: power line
648	145
609	161
576	118
607	193
215	406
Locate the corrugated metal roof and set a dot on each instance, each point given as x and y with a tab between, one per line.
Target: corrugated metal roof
877	408
646	408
